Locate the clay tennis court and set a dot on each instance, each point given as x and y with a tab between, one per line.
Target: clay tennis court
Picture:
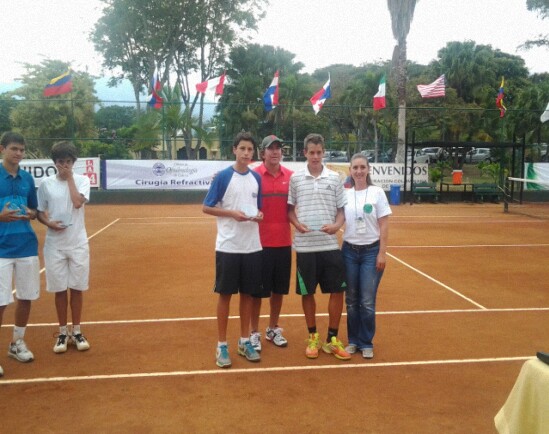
463	303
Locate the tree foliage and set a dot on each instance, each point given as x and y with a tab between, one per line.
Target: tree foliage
180	37
542	8
43	120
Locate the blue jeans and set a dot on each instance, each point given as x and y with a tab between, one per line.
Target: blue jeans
362	283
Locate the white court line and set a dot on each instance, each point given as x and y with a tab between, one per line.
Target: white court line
467	220
468	245
432	279
261	370
295	315
168	218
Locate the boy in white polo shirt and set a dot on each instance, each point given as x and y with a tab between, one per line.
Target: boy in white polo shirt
61	200
316	200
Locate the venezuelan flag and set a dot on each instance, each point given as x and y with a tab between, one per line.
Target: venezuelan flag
59	85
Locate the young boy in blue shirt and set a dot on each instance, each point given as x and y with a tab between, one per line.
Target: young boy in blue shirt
18	243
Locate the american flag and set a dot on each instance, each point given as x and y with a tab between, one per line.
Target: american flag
434	90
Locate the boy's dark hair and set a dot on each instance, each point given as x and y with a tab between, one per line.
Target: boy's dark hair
11	137
62	150
244	135
314	138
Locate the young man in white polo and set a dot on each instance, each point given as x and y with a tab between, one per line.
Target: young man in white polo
19	263
316	200
61	200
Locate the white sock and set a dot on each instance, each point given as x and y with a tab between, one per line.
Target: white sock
63	330
221	343
76	330
18	333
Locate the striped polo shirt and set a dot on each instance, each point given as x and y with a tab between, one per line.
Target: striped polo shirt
316	202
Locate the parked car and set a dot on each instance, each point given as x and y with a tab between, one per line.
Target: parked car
436	154
383	157
333	156
478	155
420	157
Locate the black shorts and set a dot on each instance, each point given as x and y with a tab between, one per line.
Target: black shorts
277	266
238	272
326	269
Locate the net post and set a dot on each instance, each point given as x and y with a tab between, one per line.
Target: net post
506	196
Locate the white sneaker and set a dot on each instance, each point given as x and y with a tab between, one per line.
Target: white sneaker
255	340
61	344
80	341
275	336
19	351
368	353
351	348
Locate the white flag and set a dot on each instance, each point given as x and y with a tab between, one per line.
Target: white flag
545	115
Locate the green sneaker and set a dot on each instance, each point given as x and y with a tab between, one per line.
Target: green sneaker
335	347
313	345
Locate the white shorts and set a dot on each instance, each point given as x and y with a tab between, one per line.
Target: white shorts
24	273
67	268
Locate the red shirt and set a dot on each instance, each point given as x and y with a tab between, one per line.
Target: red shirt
274	230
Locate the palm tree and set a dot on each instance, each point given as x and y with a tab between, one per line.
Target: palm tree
402	12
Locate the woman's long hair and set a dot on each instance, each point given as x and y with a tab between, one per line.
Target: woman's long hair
368	179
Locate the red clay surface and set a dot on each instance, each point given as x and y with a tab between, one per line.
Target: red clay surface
463	303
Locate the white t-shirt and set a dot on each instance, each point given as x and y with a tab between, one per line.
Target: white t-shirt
54	198
233	190
370	205
316	201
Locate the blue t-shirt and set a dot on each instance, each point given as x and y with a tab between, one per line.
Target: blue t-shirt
17	239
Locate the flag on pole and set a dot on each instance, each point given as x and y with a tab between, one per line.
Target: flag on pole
545	115
499	99
59	85
434	90
213	84
318	99
156	100
379	97
270	98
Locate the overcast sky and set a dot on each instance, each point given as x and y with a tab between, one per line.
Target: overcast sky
320	33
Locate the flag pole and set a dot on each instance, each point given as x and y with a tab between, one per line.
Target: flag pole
72	116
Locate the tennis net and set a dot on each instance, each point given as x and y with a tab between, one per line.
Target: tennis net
527	197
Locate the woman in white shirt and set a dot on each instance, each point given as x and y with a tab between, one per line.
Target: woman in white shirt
364	249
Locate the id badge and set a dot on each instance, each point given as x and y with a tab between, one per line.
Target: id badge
360	224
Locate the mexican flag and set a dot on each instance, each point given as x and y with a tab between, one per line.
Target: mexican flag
379	97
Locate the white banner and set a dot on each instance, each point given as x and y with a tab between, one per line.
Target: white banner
386	174
40	169
198	175
162	174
